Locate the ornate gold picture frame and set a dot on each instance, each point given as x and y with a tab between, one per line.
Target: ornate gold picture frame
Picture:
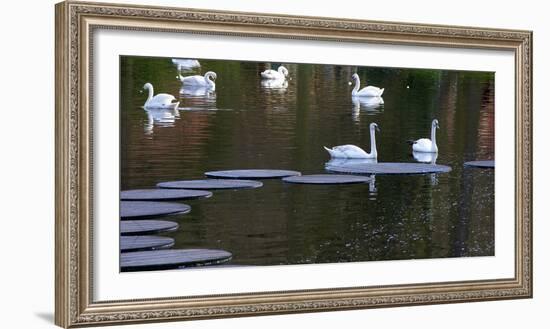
76	22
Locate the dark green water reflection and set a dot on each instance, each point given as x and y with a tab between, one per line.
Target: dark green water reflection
244	125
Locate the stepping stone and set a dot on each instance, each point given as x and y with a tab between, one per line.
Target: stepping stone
481	163
252	173
171	259
211	184
140	227
390	168
147	242
327	179
163	194
147	209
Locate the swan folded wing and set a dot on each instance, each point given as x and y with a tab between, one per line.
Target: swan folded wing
422	145
371	91
161	100
270	74
352	151
195	80
347	151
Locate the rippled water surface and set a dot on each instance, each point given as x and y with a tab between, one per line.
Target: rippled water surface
246	125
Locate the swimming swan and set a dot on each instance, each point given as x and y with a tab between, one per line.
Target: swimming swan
206	81
160	101
355	152
185	64
369	91
424	144
280	74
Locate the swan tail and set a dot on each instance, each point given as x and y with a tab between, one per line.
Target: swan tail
381	92
330	151
411	142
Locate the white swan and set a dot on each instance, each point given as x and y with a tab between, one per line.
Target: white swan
160	101
355	152
424	144
369	91
280	74
425	157
206	81
185	64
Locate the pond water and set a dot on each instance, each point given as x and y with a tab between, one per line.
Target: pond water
247	125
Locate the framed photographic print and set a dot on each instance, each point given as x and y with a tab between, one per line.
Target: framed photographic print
217	164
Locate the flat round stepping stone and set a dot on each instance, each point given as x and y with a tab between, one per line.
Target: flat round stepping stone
171	259
481	163
141	227
252	173
146	242
327	179
211	184
390	168
163	194
146	209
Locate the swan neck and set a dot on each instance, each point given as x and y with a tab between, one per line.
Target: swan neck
356	87
150	94
210	81
433	138
373	151
208	77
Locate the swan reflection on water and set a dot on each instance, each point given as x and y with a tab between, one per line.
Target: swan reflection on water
430	158
354	162
197	91
197	98
276	95
433	179
372	186
278	84
160	118
425	157
371	105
